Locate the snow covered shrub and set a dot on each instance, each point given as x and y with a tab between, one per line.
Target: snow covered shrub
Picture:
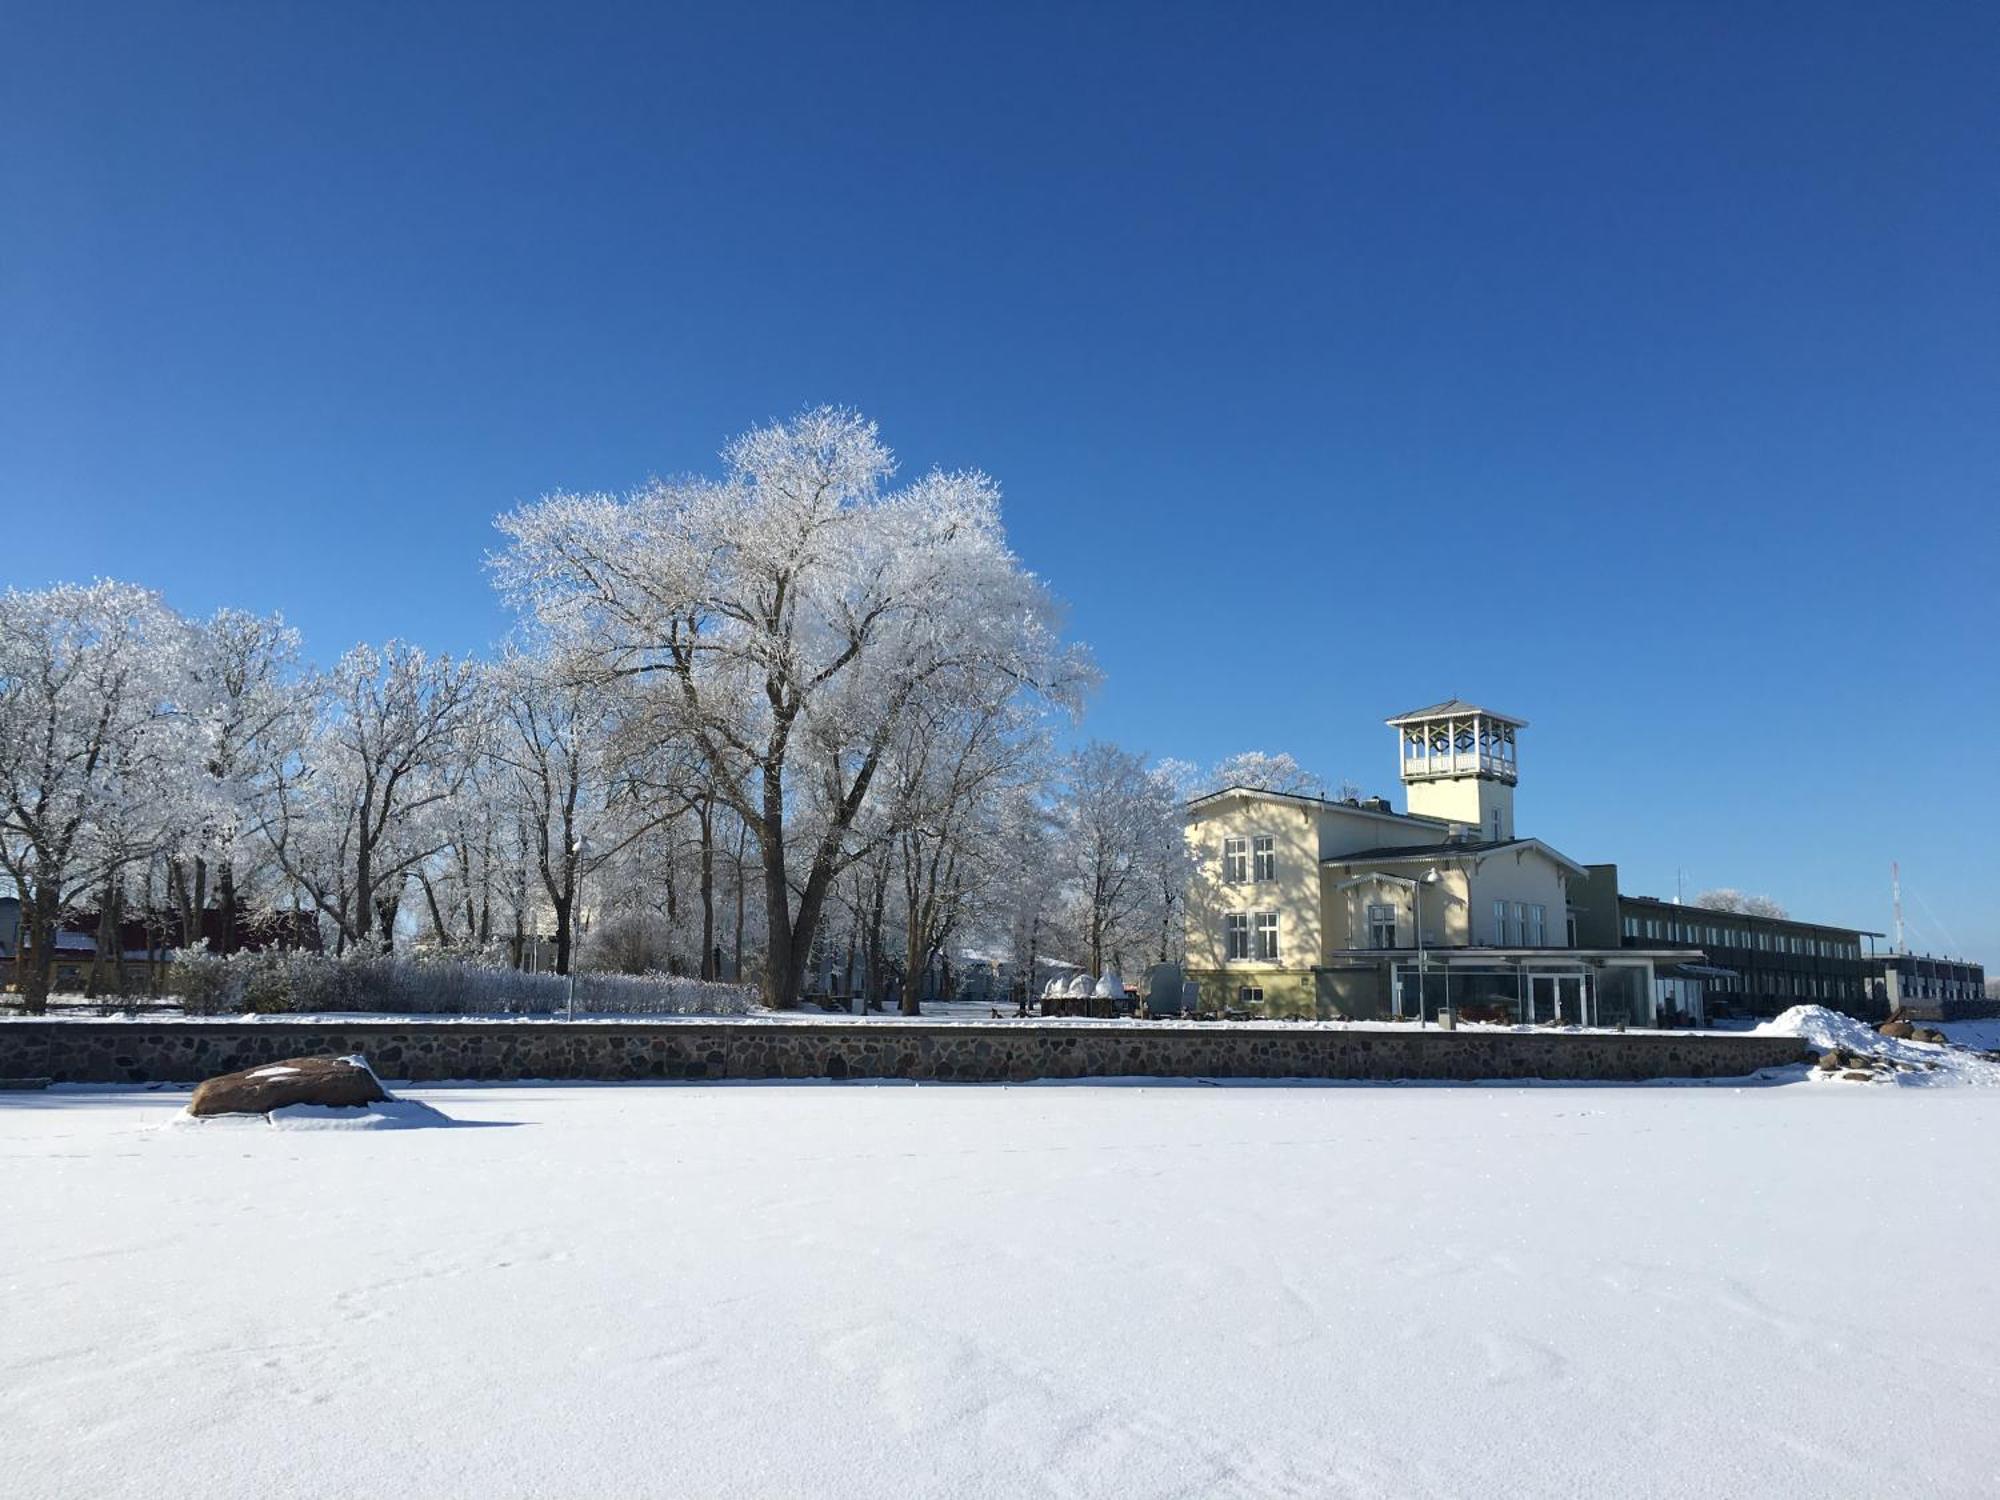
265	984
203	983
297	983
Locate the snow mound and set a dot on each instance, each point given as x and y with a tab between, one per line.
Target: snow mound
1915	1063
385	1114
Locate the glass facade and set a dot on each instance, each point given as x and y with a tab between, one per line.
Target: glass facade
1503	994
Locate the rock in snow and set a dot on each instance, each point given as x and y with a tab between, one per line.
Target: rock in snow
331	1082
1857	1044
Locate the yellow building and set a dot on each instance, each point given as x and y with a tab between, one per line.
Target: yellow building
1309	906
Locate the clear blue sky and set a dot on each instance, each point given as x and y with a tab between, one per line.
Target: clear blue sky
1635	369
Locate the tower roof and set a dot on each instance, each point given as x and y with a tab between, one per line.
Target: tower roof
1454	708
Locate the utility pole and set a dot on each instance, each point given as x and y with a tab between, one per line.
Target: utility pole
1896	902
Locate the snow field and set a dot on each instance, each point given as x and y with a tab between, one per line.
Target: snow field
858	1290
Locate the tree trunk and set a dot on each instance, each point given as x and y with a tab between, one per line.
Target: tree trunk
200	902
785	969
742	836
226	884
708	949
42	913
563	904
118	977
438	925
1034	959
916	961
94	986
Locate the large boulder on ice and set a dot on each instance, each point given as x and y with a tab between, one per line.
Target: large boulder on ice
338	1082
1900	1029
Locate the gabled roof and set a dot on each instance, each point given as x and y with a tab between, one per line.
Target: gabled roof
1391	854
1455	708
1300	799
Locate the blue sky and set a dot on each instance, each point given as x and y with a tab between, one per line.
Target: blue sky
1630	368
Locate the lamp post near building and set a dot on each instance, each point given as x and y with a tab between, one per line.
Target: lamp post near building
1416	885
1429	877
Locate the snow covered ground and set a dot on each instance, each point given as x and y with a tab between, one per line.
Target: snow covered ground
873	1290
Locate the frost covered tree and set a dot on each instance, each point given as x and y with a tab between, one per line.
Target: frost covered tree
247	719
799	608
354	806
559	775
95	747
1119	827
1023	904
1726	898
955	769
1263	771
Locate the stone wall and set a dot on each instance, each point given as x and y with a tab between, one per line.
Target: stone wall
1951	1010
187	1051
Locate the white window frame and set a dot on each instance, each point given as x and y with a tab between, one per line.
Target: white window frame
1499	924
1264	927
1236	860
1381	915
1236	936
1535	936
1263	858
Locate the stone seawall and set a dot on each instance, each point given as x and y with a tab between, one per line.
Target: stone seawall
956	1052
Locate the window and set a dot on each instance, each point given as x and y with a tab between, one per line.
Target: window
1250	994
1631	927
1381	926
1536	916
1267	858
1236	861
1499	924
1237	928
1267	936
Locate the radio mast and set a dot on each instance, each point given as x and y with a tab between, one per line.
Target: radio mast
1896	900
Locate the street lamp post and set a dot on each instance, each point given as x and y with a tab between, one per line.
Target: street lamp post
1417	924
